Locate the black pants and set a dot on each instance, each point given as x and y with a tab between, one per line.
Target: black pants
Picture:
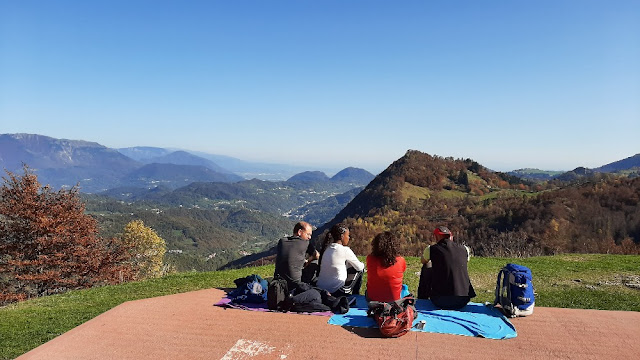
352	285
442	302
307	296
450	302
424	286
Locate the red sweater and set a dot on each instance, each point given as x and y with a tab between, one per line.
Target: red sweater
384	284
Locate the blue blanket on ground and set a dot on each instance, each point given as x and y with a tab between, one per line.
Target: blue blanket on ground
473	320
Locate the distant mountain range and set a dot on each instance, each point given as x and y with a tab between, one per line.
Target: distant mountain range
628	166
96	168
246	169
349	175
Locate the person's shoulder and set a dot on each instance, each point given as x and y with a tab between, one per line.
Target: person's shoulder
402	263
342	247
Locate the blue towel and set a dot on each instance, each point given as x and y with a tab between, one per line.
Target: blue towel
473	320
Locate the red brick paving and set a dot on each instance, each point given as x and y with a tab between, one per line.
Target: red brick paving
188	326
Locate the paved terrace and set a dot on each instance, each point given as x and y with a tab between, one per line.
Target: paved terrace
188	326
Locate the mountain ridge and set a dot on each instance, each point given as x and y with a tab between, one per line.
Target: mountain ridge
64	163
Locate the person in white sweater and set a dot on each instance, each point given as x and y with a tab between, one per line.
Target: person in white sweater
340	269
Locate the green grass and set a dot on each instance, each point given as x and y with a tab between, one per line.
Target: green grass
506	193
412	191
452	194
570	281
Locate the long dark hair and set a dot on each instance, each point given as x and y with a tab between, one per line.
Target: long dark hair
333	236
385	246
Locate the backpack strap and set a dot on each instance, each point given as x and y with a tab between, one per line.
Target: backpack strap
498	292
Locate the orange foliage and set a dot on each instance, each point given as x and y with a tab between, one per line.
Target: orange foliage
48	245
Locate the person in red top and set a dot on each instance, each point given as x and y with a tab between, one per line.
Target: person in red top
385	269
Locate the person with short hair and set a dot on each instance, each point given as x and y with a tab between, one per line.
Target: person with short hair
340	269
385	269
444	277
292	253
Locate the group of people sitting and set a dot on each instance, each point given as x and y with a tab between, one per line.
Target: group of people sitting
335	271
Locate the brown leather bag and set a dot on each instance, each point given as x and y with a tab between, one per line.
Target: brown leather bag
393	318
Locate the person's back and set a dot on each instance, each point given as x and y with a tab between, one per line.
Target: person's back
290	257
333	269
385	269
384	283
450	286
450	276
292	253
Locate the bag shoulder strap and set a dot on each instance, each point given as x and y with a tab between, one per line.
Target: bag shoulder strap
498	292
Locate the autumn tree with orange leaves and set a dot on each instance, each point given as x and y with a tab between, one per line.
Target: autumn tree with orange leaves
49	245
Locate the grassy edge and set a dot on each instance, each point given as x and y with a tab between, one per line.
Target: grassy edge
571	281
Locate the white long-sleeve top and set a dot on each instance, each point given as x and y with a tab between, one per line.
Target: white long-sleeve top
333	269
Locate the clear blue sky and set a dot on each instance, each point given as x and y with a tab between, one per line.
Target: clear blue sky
549	84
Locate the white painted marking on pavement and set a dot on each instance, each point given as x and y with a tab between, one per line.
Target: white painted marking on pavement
244	349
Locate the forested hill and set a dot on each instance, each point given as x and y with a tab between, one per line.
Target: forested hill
494	213
417	175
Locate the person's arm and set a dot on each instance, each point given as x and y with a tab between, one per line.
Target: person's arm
426	255
353	260
312	253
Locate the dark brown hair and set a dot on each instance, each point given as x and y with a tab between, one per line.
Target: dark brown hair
334	235
385	246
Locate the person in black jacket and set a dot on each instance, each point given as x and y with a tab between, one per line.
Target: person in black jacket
444	277
293	253
293	256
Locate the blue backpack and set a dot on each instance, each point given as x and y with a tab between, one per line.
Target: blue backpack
251	289
514	291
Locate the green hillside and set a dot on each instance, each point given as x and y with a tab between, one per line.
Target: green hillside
496	214
197	239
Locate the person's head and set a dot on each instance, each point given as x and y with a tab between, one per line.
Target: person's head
441	232
303	230
339	233
385	246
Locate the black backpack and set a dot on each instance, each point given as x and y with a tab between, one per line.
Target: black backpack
277	293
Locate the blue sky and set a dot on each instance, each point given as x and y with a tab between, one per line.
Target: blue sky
511	84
